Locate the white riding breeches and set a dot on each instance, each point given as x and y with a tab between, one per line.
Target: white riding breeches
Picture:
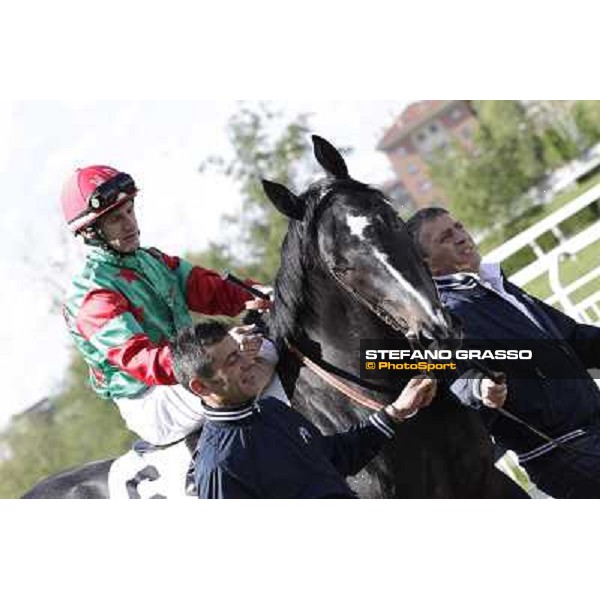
163	414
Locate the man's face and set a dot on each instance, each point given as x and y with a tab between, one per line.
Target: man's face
120	229
448	246
236	378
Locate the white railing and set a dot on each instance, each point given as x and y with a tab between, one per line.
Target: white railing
586	310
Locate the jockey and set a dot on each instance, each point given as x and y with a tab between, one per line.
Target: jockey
128	301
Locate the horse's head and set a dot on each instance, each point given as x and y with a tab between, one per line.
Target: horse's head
351	231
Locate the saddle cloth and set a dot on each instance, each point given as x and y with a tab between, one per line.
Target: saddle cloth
149	472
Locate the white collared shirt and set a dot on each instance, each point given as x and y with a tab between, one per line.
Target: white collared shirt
275	390
490	277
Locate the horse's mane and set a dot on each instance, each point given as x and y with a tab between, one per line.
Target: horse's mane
298	256
290	293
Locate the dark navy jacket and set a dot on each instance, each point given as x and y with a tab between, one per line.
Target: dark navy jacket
268	450
557	406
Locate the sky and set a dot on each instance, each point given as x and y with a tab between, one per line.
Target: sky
161	143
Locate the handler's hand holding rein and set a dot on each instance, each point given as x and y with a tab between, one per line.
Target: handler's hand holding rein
418	393
493	393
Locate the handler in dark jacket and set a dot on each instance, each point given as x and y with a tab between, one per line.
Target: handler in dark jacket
254	445
553	392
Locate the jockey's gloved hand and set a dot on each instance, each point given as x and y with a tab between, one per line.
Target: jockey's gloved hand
265	289
255	317
261	304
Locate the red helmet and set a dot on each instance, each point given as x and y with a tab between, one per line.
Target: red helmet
92	192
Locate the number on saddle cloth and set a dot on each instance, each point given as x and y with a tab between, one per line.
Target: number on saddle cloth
149	472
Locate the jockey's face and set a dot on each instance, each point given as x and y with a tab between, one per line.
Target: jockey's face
120	229
448	246
236	377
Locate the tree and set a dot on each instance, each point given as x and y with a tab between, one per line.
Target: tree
265	146
586	114
558	147
72	427
509	130
488	183
75	428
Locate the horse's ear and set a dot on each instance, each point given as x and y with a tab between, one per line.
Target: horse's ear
284	201
329	158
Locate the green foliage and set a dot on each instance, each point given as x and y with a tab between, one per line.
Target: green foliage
558	148
486	184
265	147
507	130
489	183
78	428
218	257
586	114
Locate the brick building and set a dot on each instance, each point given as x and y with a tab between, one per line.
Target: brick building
421	129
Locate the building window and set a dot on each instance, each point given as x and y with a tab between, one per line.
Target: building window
412	169
401	151
456	114
421	136
433	128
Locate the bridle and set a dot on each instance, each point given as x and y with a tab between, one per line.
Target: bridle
334	381
376	309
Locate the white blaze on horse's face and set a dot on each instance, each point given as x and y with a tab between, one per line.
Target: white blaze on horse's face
418	307
435	315
357	225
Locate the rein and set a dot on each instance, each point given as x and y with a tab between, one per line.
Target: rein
509	415
350	393
327	367
377	310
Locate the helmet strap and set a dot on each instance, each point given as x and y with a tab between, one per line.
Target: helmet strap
94	237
